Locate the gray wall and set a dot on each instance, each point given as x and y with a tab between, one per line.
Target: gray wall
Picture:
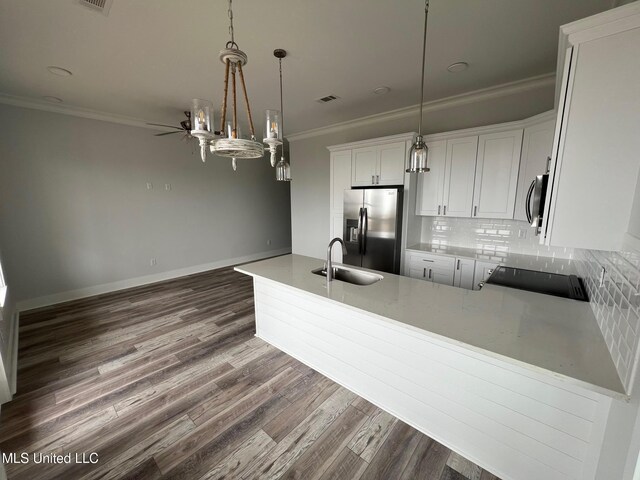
75	211
310	157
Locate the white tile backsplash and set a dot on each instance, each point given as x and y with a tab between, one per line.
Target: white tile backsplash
615	303
507	236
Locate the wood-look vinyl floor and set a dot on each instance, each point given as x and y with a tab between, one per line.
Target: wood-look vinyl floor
168	381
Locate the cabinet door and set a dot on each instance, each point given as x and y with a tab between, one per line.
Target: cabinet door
431	184
363	166
340	178
482	272
463	275
494	194
593	184
391	162
536	149
459	176
443	276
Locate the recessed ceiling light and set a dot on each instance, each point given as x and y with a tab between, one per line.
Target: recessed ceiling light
458	67
61	72
381	90
51	99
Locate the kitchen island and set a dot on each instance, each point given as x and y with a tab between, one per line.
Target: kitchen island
518	382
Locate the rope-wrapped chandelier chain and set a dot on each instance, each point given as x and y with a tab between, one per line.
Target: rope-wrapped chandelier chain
246	99
223	114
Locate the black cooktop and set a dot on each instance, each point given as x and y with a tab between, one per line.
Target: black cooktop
567	286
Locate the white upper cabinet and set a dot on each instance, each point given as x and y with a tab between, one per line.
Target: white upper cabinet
430	191
379	165
363	167
536	153
459	176
496	174
391	163
595	160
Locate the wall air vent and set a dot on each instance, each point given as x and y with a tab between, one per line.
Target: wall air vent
102	6
328	98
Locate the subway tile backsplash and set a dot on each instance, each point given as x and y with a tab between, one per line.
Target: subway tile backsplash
615	303
488	235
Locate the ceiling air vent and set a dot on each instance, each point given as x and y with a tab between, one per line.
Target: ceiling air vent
328	98
102	6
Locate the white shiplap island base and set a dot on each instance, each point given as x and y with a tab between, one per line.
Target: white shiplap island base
519	383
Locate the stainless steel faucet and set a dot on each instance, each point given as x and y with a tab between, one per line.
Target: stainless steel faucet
329	267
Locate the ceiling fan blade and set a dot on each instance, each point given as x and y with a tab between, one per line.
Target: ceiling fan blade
161	125
166	133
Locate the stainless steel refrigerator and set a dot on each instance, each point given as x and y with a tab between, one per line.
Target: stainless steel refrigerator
372	228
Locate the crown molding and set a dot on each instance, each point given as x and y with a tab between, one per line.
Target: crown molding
402	137
63	109
497	91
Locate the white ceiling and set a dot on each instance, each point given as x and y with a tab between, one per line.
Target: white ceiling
148	58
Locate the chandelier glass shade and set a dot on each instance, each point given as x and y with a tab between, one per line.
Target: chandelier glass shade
201	114
283	170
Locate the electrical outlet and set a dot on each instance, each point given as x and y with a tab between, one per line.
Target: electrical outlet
149	186
522	233
268	242
153	262
167	186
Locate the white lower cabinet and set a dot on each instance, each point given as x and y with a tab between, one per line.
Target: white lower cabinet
464	273
482	272
459	272
431	268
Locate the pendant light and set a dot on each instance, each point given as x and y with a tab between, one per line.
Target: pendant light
283	170
418	152
231	145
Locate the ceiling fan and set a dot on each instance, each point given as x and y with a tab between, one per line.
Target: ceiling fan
185	126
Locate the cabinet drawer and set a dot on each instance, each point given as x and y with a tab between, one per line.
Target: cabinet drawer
421	260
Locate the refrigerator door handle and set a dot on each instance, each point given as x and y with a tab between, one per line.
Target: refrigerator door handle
360	212
365	227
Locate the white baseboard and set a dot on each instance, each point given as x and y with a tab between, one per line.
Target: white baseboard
631	242
61	297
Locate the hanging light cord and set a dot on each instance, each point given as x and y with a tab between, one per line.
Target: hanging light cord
424	54
281	109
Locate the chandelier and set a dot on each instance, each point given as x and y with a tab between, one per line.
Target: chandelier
227	141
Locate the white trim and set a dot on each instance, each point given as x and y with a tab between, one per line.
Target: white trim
567	35
63	109
55	298
401	137
519	86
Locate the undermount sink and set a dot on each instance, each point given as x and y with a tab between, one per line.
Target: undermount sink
349	275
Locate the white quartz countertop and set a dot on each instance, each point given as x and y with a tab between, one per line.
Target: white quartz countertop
516	260
549	335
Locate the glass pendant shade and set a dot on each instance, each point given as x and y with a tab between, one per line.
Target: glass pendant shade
201	113
273	126
418	156
201	124
283	171
273	132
